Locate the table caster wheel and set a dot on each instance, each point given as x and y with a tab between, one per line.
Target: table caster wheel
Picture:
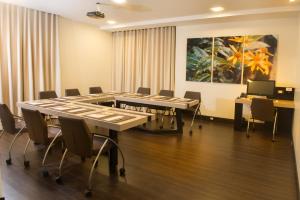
122	172
8	161
88	193
26	164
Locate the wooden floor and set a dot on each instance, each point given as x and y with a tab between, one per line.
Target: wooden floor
213	163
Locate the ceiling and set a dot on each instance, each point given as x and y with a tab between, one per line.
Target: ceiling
143	12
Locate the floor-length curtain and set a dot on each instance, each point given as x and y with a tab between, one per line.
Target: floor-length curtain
29	54
144	58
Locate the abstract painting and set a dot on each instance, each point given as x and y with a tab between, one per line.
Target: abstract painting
228	60
199	59
233	59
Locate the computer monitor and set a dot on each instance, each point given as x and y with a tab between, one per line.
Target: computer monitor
261	88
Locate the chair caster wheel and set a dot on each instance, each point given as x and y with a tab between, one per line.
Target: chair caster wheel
88	193
273	140
122	172
172	122
200	126
45	173
161	127
58	180
26	164
8	161
248	136
191	132
182	123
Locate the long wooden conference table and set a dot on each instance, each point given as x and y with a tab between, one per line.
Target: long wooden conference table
114	119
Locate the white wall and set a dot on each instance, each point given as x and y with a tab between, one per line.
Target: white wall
85	55
218	99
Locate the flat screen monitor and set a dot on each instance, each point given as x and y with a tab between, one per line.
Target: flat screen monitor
261	88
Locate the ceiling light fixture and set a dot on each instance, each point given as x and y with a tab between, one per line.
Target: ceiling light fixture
119	1
111	22
217	9
292	0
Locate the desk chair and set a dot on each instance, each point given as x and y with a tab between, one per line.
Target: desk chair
11	124
143	90
263	110
72	92
195	109
51	94
98	90
95	90
40	133
79	141
167	93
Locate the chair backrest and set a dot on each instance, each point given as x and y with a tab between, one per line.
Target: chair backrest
166	93
142	90
76	136
47	94
7	119
95	90
36	126
72	92
262	109
193	95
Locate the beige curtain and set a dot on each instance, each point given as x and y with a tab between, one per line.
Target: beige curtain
29	54
144	58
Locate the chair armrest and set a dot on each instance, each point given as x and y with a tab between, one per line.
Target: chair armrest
18	117
53	126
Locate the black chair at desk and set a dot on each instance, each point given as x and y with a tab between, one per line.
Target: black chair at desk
72	92
263	110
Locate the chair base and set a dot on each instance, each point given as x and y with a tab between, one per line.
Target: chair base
122	172
26	164
88	193
8	161
45	173
59	180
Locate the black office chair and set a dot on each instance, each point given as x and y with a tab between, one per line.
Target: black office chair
263	110
11	124
98	90
79	141
95	90
167	93
143	90
51	94
40	133
72	92
195	109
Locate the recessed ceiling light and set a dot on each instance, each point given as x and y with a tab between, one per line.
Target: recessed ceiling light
119	1
111	22
217	9
292	0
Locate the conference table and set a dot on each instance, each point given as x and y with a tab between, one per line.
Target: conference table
114	119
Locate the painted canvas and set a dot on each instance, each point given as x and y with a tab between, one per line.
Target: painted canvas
260	57
199	59
227	60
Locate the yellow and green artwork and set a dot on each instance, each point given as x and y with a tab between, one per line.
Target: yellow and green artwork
232	59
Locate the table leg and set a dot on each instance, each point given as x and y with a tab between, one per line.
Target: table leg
238	117
113	153
179	120
118	104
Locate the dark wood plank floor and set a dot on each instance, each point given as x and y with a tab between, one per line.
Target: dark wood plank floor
213	163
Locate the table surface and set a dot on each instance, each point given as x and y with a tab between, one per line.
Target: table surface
102	116
277	103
